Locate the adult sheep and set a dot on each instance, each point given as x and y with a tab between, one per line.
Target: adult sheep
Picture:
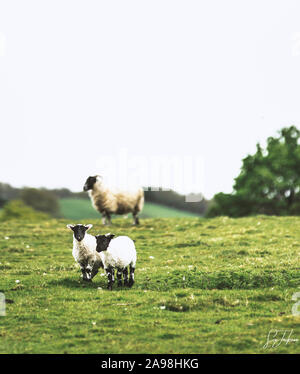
108	201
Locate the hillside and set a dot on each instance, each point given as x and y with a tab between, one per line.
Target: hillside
82	209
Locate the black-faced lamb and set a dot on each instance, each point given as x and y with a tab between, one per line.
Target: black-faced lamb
108	201
84	251
118	253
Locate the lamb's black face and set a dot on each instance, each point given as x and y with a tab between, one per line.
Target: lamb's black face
79	230
103	242
89	184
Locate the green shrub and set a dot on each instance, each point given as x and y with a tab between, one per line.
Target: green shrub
42	200
16	209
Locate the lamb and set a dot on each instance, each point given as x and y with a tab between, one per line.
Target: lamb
117	253
108	202
84	251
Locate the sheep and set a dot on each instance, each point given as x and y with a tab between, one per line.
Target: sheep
84	251
108	202
117	253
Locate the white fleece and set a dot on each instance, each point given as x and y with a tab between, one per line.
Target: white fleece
120	253
84	252
111	200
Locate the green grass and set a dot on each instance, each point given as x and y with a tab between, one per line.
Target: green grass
202	286
82	209
78	209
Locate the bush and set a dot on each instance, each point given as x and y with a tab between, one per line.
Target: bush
16	209
7	192
2	202
41	200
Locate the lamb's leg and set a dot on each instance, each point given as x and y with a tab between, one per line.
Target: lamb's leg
110	276
94	271
84	276
131	276
83	271
125	276
119	277
88	271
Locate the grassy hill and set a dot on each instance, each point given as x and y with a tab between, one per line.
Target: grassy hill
82	209
202	286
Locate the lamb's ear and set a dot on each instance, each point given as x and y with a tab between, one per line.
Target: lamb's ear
110	236
71	227
88	227
103	242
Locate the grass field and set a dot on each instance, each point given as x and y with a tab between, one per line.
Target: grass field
202	286
82	209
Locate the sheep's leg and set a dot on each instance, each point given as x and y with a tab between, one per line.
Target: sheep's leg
106	218
110	276
137	209
131	276
125	276
136	220
119	277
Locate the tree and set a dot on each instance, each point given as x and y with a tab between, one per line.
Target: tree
7	193
41	200
269	181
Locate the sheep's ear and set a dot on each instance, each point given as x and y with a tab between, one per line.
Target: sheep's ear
88	227
71	227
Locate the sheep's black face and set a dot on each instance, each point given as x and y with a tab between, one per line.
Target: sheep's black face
89	184
79	231
103	242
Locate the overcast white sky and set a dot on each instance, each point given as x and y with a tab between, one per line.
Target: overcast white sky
80	80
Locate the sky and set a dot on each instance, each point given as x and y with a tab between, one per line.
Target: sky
85	85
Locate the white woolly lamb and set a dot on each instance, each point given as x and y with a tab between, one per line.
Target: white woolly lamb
84	251
108	201
117	253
